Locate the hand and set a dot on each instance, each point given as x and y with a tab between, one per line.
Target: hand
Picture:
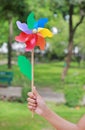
35	102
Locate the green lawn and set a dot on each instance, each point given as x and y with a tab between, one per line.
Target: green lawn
49	75
16	116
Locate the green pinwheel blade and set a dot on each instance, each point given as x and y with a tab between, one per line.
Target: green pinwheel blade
25	66
31	21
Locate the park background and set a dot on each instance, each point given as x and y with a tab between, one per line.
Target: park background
59	69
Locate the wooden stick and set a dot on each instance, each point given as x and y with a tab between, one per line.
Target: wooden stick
32	62
32	82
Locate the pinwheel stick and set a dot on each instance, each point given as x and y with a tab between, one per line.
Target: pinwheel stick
32	62
32	82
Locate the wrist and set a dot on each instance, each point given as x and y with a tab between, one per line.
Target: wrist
45	112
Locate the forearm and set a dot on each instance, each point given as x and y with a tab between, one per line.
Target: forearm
58	122
37	104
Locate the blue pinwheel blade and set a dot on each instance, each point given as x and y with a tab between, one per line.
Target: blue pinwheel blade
42	22
36	25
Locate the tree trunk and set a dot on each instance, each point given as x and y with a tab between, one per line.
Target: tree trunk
70	45
9	43
71	37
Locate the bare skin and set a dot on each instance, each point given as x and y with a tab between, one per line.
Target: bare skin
38	105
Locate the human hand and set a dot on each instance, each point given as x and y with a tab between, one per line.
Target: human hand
36	102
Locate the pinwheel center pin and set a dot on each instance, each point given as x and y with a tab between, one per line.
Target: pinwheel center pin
35	30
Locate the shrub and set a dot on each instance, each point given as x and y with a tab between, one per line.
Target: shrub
25	90
73	95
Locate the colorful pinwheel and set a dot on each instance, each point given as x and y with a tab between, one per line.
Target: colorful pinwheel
33	33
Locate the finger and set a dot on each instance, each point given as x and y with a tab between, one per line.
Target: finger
31	104
35	91
31	95
32	100
31	108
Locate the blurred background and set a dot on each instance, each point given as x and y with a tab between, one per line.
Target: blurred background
59	70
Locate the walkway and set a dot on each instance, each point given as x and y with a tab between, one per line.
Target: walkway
47	93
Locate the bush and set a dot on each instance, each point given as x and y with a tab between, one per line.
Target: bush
73	95
25	90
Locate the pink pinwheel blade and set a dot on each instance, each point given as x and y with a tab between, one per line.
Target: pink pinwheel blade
30	44
23	27
23	37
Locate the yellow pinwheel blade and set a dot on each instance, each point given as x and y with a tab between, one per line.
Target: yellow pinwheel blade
45	32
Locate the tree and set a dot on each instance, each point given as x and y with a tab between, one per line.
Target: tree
70	7
8	11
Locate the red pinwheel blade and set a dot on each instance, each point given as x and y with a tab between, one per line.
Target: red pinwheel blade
30	44
40	41
23	37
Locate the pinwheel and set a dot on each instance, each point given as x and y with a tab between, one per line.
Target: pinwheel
32	34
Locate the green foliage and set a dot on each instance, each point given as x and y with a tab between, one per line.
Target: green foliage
73	95
12	8
45	8
63	7
25	90
59	41
76	1
75	75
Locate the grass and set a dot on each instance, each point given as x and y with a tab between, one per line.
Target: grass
17	116
49	75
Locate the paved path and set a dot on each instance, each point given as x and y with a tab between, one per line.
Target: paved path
47	93
5	62
10	91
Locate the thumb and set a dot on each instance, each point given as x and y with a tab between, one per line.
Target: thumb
35	91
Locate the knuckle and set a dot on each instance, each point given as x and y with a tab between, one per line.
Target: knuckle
28	93
27	99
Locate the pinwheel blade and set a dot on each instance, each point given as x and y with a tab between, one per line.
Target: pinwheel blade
42	22
30	44
31	21
23	27
40	42
23	37
25	66
45	32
